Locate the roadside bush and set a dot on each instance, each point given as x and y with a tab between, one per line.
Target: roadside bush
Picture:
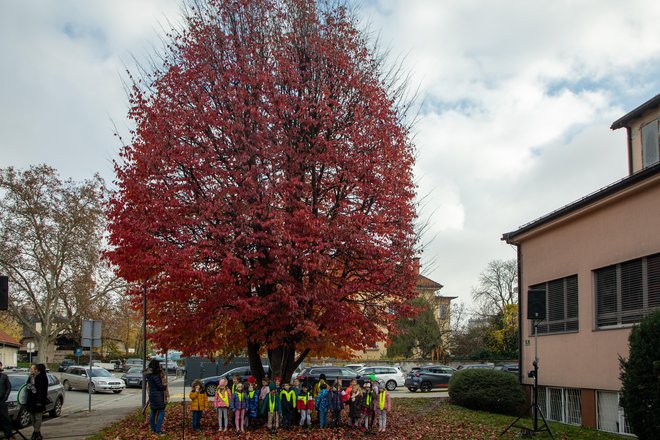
487	390
640	378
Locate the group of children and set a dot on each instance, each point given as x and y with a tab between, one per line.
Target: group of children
275	404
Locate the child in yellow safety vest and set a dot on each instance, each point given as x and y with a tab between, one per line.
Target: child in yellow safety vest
239	405
383	406
288	402
221	403
272	406
368	398
305	405
199	402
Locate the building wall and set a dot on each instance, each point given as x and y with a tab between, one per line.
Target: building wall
8	356
618	229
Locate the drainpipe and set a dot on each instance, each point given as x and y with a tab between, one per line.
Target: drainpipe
520	314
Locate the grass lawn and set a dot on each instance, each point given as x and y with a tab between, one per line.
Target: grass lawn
419	419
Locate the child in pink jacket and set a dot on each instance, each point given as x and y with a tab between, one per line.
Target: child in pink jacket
383	406
221	402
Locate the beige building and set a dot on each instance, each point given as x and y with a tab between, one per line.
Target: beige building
598	261
8	350
442	306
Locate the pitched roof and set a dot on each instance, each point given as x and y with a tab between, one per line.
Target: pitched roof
636	113
603	193
8	340
427	283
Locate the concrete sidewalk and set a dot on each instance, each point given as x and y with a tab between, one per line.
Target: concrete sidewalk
79	425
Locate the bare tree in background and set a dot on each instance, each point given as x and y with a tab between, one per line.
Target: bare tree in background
50	241
498	287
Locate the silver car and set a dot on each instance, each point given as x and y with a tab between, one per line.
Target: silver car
19	414
392	377
77	376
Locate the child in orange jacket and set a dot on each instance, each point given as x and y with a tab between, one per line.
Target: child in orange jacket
199	402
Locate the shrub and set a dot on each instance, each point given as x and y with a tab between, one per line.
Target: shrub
487	390
640	378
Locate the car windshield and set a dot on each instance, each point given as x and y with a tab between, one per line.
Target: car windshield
135	370
100	372
17	381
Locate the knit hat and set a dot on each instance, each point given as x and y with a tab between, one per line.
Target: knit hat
251	379
372	377
271	386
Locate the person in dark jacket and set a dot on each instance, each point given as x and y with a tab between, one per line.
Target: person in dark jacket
37	397
5	389
157	391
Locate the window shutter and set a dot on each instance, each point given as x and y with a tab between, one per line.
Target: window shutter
632	301
606	297
572	303
555	302
653	277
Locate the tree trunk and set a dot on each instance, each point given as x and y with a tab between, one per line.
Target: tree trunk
43	341
283	362
256	367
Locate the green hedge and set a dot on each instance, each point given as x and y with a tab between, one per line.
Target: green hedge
487	390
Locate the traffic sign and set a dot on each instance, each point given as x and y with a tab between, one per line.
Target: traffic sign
78	351
30	347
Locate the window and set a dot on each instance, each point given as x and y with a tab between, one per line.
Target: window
650	143
561	404
561	305
610	415
443	312
628	291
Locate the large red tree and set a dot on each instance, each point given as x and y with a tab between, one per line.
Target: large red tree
266	196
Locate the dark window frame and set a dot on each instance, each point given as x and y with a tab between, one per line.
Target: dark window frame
624	293
562	300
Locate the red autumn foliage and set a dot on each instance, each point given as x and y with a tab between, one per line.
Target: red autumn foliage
266	196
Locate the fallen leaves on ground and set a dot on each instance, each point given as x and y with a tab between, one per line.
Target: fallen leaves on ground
414	419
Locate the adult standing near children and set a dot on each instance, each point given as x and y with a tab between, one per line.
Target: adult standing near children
37	397
5	389
157	391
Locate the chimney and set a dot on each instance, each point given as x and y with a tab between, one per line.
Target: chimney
415	262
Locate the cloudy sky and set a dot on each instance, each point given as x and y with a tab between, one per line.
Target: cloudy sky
516	99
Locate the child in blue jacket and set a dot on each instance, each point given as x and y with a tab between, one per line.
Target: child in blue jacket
322	404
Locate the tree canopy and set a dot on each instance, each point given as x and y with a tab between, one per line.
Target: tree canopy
266	195
50	246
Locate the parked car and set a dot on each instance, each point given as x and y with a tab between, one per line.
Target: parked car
509	368
355	366
19	414
392	377
210	384
486	366
110	366
132	362
429	377
311	375
77	376
171	367
65	364
133	377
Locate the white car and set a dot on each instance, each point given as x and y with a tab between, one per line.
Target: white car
392	377
77	376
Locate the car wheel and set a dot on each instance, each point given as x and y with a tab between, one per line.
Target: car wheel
57	409
23	418
210	389
116	391
390	385
92	388
425	387
66	385
412	389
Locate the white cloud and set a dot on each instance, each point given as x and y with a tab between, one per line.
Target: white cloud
517	98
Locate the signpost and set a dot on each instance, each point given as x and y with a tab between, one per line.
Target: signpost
78	352
30	349
91	337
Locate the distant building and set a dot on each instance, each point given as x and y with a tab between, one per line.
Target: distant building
429	289
598	261
8	350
